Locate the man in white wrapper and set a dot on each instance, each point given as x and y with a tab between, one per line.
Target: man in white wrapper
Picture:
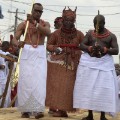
96	87
33	64
4	70
118	78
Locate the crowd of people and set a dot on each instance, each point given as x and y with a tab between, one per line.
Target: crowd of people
78	73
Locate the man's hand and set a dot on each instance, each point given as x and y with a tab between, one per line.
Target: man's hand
95	51
30	18
11	58
92	51
21	44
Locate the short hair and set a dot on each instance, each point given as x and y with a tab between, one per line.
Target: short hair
4	43
57	19
37	4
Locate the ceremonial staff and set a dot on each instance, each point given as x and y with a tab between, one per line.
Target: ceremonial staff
97	29
119	59
9	57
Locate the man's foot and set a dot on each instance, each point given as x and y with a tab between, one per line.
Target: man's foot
103	118
39	115
60	113
25	115
87	118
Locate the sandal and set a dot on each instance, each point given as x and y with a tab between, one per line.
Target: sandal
39	115
87	118
103	118
25	115
60	113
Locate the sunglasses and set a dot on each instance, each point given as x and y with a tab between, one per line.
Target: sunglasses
39	11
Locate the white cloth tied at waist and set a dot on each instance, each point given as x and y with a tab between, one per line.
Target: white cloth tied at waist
104	63
96	85
32	79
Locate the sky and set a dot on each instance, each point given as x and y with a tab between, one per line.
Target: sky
86	10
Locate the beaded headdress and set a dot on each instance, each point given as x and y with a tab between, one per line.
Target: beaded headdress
69	13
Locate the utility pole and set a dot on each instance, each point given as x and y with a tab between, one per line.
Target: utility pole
119	58
16	15
16	18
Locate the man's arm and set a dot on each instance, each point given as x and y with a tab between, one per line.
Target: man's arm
81	37
19	32
45	29
114	50
83	45
51	43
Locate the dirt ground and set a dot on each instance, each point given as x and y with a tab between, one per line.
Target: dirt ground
13	114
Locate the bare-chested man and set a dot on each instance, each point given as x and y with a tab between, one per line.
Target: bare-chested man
33	64
95	85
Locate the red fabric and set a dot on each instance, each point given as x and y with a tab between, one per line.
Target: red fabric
68	45
13	93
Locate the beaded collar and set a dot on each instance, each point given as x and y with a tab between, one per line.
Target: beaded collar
105	34
67	35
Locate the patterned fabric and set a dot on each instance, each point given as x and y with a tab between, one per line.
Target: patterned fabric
60	84
34	107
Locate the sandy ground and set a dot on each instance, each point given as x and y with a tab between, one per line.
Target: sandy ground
13	114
